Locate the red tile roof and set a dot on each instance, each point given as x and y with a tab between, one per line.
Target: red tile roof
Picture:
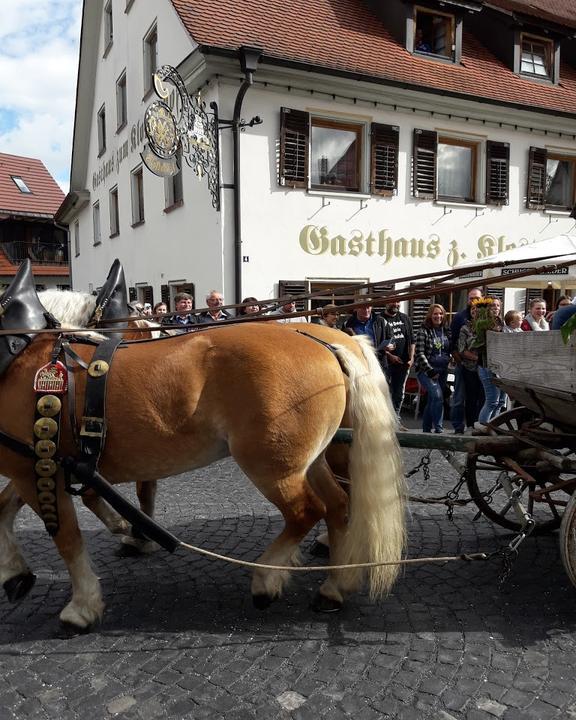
344	35
46	196
559	12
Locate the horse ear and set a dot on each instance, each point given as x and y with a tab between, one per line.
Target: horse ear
112	300
20	308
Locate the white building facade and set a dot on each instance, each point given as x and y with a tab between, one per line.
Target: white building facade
349	178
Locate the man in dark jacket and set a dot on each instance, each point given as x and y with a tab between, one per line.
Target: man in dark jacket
457	417
364	322
401	358
214	300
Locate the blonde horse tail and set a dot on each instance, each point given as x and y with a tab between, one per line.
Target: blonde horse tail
376	530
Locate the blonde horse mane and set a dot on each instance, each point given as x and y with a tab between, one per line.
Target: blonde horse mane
73	309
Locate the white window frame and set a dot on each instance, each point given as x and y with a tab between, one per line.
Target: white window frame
137	195
96	223
108	27
21	184
101	120
548	58
173	191
150	57
479	179
121	102
363	163
114	211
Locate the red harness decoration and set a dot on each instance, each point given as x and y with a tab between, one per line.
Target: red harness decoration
51	378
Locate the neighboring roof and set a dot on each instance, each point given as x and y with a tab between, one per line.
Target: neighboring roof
344	36
45	196
7	268
559	12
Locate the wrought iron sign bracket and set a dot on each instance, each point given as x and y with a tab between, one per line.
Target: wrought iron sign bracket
182	131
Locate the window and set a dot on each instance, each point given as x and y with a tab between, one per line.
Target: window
325	154
102	130
114	214
96	223
108	26
451	169
434	33
76	238
457	169
150	58
121	107
137	188
173	191
537	57
551	180
21	185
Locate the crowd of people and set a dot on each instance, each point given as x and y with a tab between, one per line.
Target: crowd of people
439	351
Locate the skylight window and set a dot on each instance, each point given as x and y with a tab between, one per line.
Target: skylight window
21	185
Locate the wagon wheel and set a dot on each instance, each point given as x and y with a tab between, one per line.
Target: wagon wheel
486	476
568	540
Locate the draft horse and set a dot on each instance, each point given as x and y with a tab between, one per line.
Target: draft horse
283	399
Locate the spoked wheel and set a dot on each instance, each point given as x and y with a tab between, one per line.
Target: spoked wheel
542	478
568	540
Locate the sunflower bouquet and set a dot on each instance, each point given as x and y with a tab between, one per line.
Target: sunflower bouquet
483	319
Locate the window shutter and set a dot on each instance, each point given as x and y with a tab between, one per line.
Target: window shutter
132	294
148	294
417	312
497	172
295	287
384	159
294	140
536	193
497	293
424	163
165	295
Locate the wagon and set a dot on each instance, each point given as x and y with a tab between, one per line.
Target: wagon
537	481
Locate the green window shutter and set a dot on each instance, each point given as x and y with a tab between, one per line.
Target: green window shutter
425	148
497	172
294	143
536	192
384	158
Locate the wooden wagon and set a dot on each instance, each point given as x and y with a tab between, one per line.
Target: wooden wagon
538	480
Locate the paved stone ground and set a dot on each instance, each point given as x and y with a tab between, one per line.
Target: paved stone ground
181	639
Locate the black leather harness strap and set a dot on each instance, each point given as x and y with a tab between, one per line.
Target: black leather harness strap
93	424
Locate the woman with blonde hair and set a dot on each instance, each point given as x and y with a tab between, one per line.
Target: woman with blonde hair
431	359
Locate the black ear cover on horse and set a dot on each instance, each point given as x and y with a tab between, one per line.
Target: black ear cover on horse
112	300
20	307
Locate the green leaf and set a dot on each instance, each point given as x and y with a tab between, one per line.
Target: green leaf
568	328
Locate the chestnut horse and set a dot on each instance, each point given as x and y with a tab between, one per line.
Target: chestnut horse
284	397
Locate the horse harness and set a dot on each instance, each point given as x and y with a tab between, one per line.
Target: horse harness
51	383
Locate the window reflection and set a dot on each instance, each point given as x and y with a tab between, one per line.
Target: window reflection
456	171
560	182
335	155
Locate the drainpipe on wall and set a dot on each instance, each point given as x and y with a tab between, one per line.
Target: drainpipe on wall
249	58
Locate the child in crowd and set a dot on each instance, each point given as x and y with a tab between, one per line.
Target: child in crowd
512	321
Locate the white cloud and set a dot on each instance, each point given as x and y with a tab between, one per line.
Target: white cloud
38	68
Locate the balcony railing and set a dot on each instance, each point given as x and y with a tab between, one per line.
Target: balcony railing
40	253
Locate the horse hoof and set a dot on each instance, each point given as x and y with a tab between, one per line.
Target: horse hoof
318	549
324	604
261	601
71	630
19	586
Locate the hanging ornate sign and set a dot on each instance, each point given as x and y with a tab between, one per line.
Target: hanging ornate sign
189	133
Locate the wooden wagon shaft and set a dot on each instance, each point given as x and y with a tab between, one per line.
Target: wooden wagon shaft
473	444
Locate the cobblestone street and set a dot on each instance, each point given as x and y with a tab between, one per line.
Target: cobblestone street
180	638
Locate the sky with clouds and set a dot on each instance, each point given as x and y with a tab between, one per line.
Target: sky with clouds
39	41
